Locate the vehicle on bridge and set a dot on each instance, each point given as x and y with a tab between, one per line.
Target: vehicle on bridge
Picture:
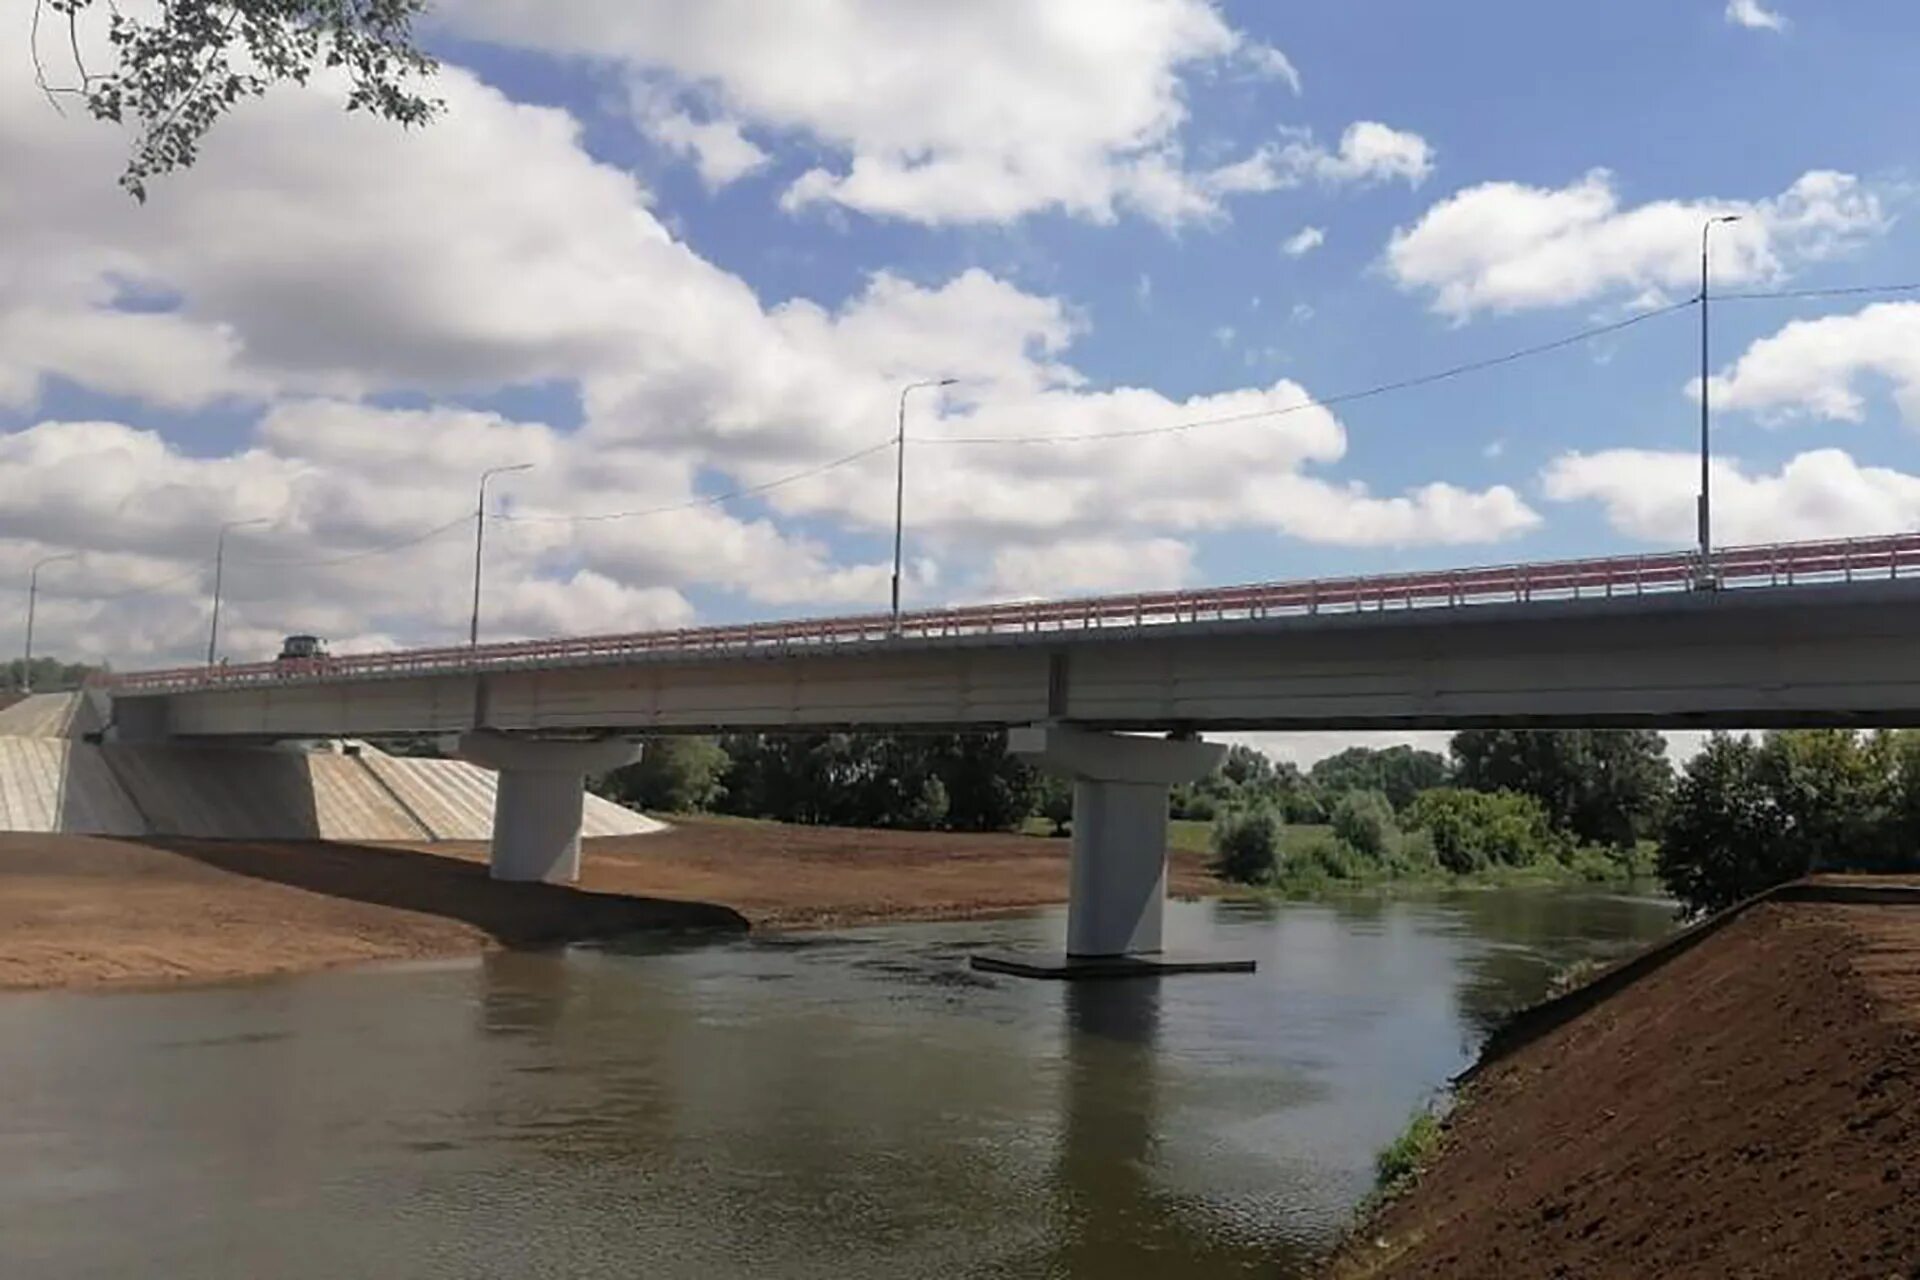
303	648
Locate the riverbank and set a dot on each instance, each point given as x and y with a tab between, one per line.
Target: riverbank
79	911
1749	1108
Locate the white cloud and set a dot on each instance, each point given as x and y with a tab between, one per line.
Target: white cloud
1303	241
1505	246
1812	367
1752	13
1269	61
978	112
1369	152
504	255
1087	566
720	151
1823	493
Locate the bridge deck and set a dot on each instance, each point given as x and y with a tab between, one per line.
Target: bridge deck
1734	569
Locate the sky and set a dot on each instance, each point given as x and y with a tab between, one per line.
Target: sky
667	253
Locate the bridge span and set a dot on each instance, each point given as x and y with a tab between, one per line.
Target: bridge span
1821	633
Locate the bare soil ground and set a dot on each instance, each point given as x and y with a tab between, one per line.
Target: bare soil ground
78	911
1752	1108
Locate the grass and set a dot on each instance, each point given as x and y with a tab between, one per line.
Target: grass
1399	1164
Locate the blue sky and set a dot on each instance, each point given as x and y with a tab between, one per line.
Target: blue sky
664	252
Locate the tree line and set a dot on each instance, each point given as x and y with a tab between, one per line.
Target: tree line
1744	814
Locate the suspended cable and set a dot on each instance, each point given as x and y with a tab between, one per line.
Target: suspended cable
1348	397
364	554
712	500
1846	292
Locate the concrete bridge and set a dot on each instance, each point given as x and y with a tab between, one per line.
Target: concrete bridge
1787	635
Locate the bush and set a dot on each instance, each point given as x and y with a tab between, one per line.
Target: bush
1364	820
1244	844
1321	855
1477	830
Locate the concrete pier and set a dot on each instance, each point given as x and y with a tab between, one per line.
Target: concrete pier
1117	881
538	804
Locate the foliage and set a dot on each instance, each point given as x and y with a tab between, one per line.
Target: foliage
962	782
1599	786
1245	842
1322	855
673	775
1747	816
1402	1159
176	67
1399	772
1364	820
50	675
1053	800
1476	830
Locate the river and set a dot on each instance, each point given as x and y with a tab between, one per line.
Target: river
856	1104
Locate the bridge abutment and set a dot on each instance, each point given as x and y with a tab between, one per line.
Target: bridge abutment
1117	879
539	800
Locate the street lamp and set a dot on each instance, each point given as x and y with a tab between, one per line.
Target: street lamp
479	540
219	570
1705	510
900	484
33	594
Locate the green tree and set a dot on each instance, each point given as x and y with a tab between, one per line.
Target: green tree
1245	842
1055	801
1477	830
1747	816
674	774
173	69
1601	786
1364	821
1399	772
50	675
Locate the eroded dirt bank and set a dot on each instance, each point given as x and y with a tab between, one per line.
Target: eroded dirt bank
1752	1108
78	911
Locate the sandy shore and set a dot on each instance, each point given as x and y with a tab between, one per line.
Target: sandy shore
1750	1108
77	911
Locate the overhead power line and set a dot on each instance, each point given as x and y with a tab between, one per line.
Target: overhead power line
1851	291
366	553
1327	402
711	500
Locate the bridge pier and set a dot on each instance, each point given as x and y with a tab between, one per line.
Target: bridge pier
538	802
1117	878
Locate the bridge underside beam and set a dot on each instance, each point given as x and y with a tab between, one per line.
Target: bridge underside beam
540	798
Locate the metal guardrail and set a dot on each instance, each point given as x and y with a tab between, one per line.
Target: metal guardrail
1742	568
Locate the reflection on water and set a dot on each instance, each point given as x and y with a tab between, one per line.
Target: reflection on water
856	1104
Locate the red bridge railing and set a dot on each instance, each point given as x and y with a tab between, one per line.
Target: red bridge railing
1742	568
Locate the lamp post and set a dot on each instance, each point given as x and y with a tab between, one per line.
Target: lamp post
479	542
900	484
1705	508
33	595
219	571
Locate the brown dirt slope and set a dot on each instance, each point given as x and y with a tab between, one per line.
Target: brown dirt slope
83	911
812	877
1750	1109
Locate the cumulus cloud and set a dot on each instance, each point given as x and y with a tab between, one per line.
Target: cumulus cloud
1074	106
506	256
1755	15
1303	242
720	151
1824	493
1813	368
1506	246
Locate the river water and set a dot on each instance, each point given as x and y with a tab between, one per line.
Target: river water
857	1104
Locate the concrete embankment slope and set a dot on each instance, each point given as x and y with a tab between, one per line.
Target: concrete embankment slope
53	784
53	781
1748	1107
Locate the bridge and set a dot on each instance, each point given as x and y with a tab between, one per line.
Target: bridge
1816	633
